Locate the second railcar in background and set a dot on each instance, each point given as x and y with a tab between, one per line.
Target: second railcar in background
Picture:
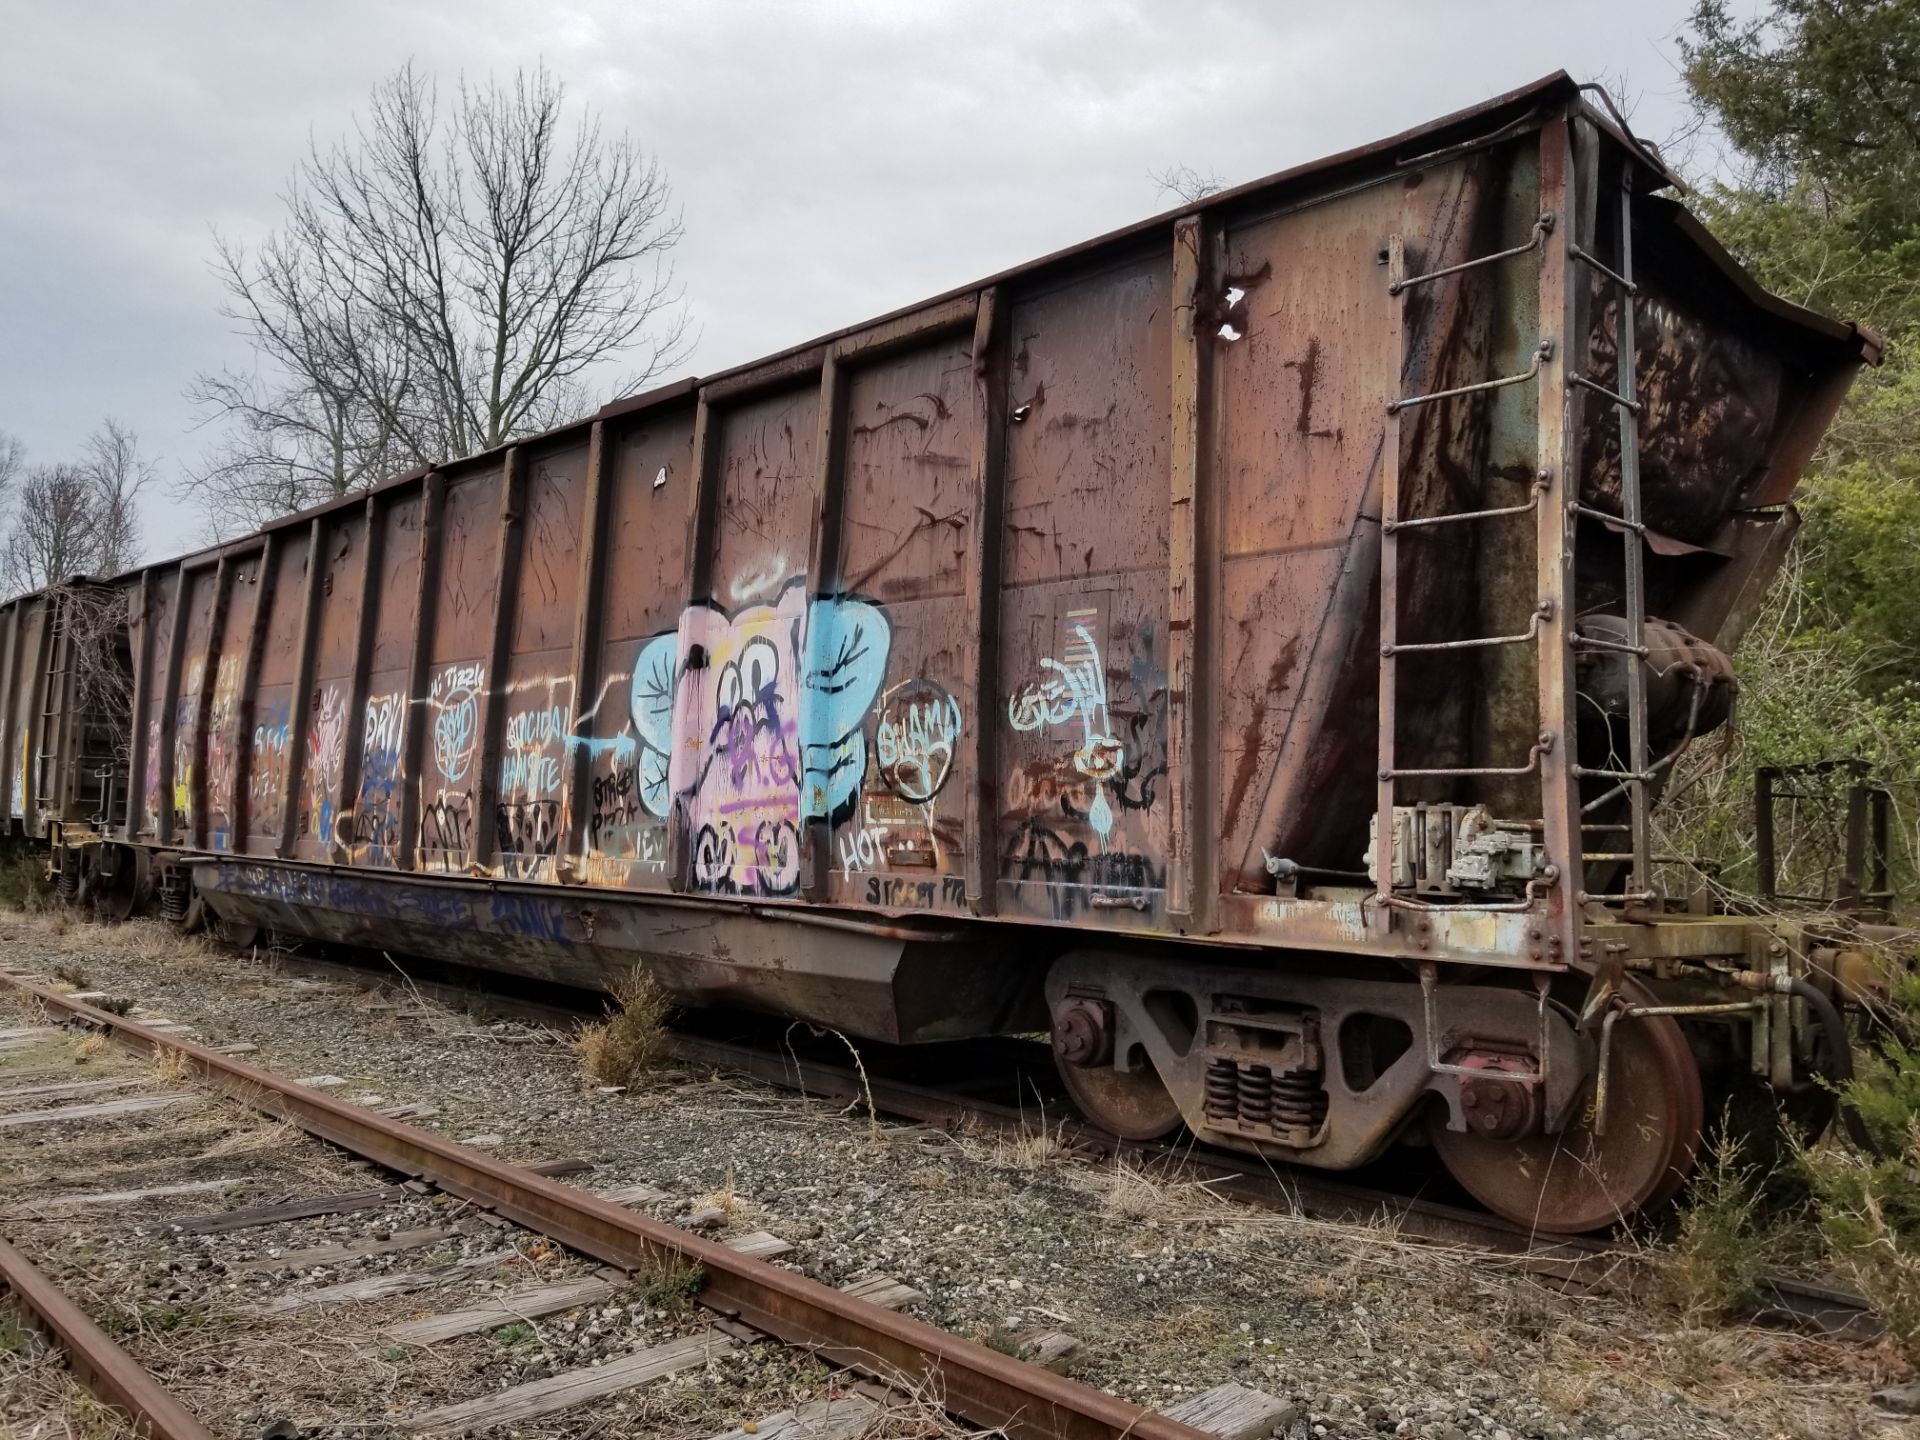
1248	645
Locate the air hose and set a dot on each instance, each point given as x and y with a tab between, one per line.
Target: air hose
1839	1066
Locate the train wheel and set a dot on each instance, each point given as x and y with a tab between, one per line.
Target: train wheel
1578	1181
1133	1104
119	894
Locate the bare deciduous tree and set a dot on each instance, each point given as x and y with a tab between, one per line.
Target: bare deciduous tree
448	278
1185	183
13	459
74	518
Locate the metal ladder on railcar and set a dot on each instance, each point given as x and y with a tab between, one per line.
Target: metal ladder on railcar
1635	777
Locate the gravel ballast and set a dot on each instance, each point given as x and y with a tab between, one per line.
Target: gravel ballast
1169	1290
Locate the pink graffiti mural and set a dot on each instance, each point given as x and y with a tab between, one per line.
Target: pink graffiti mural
759	719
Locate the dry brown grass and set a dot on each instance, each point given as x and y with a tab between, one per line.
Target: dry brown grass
632	1041
254	1140
171	1068
93	1045
39	1395
1031	1147
737	1212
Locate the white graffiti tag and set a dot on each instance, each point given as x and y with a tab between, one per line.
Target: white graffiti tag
455	702
913	743
1075	688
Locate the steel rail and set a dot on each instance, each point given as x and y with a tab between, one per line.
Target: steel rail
101	1365
981	1385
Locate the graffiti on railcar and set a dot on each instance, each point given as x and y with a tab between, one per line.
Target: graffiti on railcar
433	905
453	700
185	711
528	916
621	834
913	743
1073	692
446	800
372	832
527	817
223	720
903	892
151	799
267	766
20	775
756	723
1101	759
326	753
446	831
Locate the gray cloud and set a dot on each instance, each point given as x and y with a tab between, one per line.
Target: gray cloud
834	160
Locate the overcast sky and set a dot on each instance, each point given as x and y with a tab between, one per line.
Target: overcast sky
834	160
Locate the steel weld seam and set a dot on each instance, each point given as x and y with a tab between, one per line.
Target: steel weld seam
980	1384
106	1369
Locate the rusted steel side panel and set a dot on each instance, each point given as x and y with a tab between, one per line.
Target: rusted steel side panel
907	528
138	593
458	667
645	586
258	577
1302	419
743	773
322	762
1082	709
195	628
9	693
538	683
585	655
148	721
416	737
271	698
33	738
371	834
225	701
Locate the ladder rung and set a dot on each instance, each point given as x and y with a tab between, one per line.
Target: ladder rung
1607	517
1613	275
1608	391
1628	777
1595	642
1541	611
1541	352
1541	229
1533	763
1539	489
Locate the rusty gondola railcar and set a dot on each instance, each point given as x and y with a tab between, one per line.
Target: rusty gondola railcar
1056	654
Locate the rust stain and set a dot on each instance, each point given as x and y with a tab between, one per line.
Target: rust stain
1279	674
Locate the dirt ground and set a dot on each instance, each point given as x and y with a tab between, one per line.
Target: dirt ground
1168	1289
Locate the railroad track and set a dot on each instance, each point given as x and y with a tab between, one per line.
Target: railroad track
1573	1262
513	1211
